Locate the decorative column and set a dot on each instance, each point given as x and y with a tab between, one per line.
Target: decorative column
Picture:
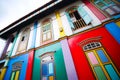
6	47
62	33
34	35
30	65
70	68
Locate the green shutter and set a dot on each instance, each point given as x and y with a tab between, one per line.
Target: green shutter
84	15
70	21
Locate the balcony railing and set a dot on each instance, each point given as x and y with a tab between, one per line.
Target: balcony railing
79	24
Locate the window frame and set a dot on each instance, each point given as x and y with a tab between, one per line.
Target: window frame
84	18
44	24
100	63
51	61
108	6
20	63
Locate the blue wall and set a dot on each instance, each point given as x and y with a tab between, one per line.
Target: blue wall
114	30
24	59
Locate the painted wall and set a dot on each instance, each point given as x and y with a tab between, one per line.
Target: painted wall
66	25
96	11
24	59
16	44
118	23
60	71
114	30
70	68
81	64
23	42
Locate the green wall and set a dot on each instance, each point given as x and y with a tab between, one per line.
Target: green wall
58	59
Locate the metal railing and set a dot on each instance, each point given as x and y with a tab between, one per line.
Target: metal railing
79	24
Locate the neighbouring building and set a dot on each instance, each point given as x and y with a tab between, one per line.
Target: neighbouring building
64	40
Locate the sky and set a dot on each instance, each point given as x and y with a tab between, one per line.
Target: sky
12	10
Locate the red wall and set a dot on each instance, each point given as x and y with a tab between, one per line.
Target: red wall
81	64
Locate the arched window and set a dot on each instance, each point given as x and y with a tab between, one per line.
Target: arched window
16	67
100	62
46	30
78	17
23	40
108	6
47	66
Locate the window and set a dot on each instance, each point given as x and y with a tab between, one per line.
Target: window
23	40
108	6
78	17
47	67
101	64
16	67
46	30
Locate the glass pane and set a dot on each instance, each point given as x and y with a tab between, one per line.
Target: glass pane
112	72
44	29
110	11
101	4
102	56
92	58
51	69
100	74
51	78
44	37
48	27
116	8
108	1
44	69
17	75
44	78
48	35
12	76
48	58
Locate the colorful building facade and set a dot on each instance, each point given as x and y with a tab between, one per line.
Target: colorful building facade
64	40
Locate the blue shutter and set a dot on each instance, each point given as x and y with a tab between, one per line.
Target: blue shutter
70	21
84	15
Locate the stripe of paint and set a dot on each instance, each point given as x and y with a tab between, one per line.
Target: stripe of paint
114	30
3	73
30	66
17	75
62	33
34	35
13	75
70	68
